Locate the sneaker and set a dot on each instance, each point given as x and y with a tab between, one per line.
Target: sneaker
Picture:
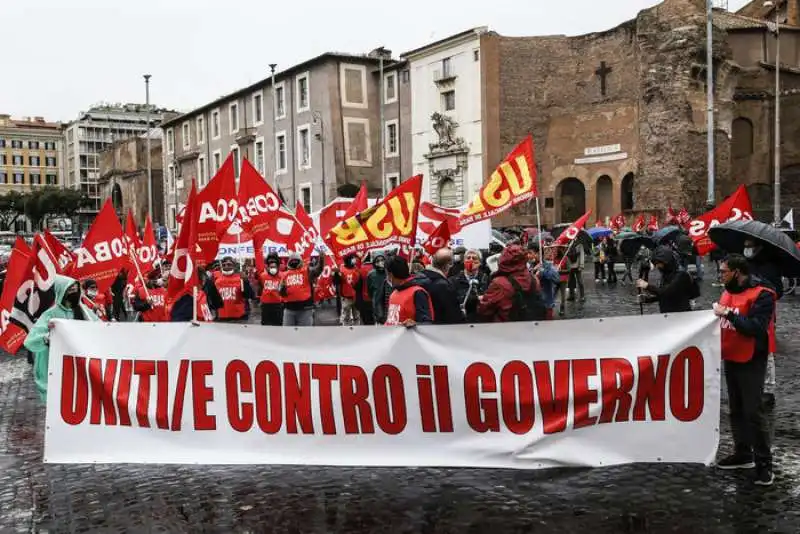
738	460
764	476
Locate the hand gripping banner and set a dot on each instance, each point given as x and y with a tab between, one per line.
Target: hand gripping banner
528	396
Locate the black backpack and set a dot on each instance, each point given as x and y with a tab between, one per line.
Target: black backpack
694	288
526	305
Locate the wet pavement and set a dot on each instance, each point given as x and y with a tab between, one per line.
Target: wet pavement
629	499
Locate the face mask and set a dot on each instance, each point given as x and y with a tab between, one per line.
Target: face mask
749	253
733	285
349	264
294	264
379	265
227	272
273	271
92	293
470	265
72	299
159	283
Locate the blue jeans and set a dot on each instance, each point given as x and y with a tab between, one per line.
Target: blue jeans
298	317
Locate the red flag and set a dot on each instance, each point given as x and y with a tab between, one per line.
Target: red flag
57	249
618	222
513	182
684	218
148	250
131	232
258	209
638	225
572	232
671	217
308	238
33	293
105	252
183	274
324	288
438	215
393	220
440	238
652	226
359	204
11	336
340	210
215	211
735	207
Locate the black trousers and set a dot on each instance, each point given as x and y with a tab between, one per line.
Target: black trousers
365	311
644	272
272	314
749	422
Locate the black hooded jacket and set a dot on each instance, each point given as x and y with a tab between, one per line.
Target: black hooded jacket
673	293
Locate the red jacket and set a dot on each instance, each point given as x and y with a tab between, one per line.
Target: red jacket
499	297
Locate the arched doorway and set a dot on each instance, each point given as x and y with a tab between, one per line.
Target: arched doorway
448	194
605	197
116	198
626	193
347	190
571	196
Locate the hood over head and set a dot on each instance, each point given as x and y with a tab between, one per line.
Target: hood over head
665	255
60	286
513	259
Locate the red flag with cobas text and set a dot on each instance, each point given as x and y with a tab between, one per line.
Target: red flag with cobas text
392	221
183	273
148	251
308	237
215	211
258	210
104	252
513	182
734	208
65	258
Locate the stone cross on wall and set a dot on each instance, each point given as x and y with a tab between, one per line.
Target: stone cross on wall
602	73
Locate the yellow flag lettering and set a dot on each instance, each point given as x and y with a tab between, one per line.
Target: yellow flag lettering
402	222
519	184
376	229
349	232
476	206
491	194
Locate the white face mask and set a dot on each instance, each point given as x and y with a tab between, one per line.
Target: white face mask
227	272
273	271
92	293
749	252
159	283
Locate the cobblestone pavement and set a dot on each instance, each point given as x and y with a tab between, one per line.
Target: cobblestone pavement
630	499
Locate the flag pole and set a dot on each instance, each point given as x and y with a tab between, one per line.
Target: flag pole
194	304
139	273
539	227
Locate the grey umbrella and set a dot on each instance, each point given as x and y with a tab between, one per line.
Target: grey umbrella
730	237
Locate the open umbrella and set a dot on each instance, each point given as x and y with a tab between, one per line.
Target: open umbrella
666	235
599	232
629	246
777	246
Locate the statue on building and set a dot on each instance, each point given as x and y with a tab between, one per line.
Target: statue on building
444	127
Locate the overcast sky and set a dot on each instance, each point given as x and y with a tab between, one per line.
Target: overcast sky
63	56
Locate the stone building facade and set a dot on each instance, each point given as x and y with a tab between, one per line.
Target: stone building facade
123	177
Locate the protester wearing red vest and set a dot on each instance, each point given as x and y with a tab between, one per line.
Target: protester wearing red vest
364	303
746	310
348	281
99	303
409	303
271	300
298	292
152	303
234	290
208	299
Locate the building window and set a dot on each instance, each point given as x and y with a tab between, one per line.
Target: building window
448	194
259	150
16	160
391	139
2	143
19	178
172	219
171	177
358	152
280	152
170	141
3	177
354	86
305	197
447	67
3	159
16	144
51	179
233	117
50	161
33	145
217	161
215	131
236	160
50	145
258	109
449	100
304	147
200	132
302	93
36	178
34	161
187	135
392	180
280	101
742	137
201	171
476	55
390	88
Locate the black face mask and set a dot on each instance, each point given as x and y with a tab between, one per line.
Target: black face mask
733	286
379	265
349	264
72	299
294	264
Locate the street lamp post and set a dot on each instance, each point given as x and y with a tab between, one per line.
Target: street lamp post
147	141
710	99
274	127
777	164
321	136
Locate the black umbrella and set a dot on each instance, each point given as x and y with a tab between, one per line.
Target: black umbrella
629	246
777	246
666	235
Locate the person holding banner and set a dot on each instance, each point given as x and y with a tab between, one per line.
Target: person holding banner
746	309
297	290
409	304
150	300
271	300
674	294
68	305
379	288
99	303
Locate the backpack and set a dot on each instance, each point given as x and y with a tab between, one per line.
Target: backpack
526	305
694	290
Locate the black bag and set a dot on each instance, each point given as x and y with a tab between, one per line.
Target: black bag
694	288
526	305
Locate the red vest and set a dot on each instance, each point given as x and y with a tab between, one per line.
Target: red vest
203	311
350	277
271	284
365	270
231	290
737	347
402	307
298	285
158	302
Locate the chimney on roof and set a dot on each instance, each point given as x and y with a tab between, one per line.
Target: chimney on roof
380	52
39	119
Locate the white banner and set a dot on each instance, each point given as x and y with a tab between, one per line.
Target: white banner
627	389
